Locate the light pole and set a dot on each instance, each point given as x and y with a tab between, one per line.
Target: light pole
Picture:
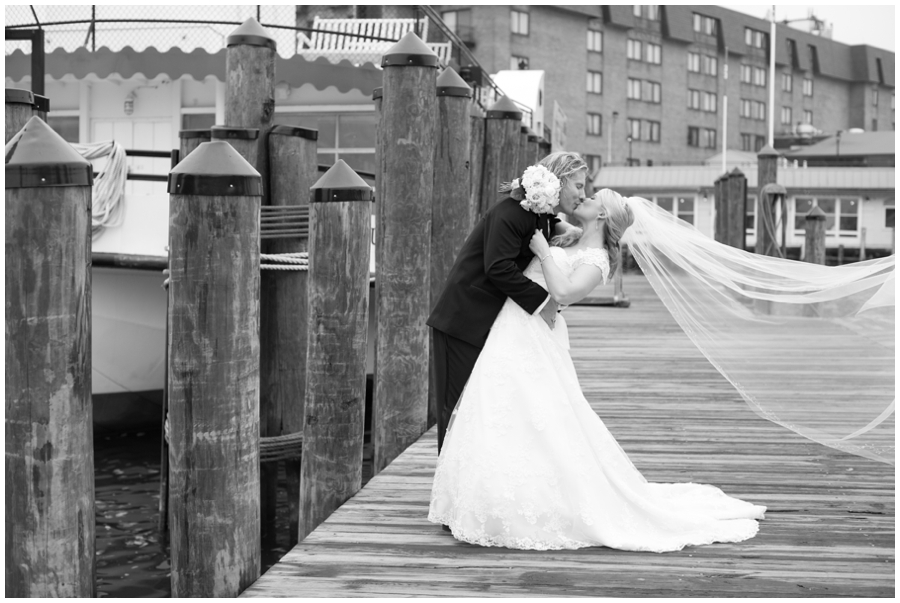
609	138
629	150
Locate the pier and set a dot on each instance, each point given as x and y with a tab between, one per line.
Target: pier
828	531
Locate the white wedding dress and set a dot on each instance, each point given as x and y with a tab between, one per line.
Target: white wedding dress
528	464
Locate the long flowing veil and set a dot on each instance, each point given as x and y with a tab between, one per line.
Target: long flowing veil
809	347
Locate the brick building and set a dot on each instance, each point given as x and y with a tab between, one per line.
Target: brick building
656	73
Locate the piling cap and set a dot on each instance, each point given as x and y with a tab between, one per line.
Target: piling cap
532	135
768	151
38	156
341	183
410	51
250	33
504	108
816	213
195	133
215	169
449	83
19	96
735	173
41	103
233	133
296	131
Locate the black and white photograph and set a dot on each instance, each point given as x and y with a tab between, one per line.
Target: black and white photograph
459	301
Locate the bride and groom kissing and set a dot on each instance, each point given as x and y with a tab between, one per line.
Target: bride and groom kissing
524	461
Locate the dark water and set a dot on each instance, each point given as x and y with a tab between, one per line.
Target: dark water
132	557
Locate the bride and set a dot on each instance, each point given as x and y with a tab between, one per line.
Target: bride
528	464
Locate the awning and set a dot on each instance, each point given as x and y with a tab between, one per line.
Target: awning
199	64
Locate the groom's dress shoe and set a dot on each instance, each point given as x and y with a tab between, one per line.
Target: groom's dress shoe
446	528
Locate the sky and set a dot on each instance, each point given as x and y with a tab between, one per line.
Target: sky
864	24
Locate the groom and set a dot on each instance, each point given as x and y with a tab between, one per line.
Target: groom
489	268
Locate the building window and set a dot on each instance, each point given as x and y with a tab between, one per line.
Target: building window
634	50
637	10
710	65
750	215
644	90
746	74
451	20
889	214
650	130
652	12
874	124
758	143
595	162
875	97
693	136
704	24
595	124
752	109
759	110
754	38
707	138
787	82
349	136
595	41
786	118
745	108
807	87
694	99
595	82
680	207
519	22
841	215
759	76
747	142
634	128
518	63
807	116
633	90
653	53
694	62
710	102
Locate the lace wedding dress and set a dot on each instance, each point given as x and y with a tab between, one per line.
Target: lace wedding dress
528	464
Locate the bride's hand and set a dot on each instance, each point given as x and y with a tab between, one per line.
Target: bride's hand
539	245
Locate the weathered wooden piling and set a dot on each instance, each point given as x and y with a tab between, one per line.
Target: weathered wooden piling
244	140
767	173
191	139
502	132
339	247
19	109
814	243
49	432
283	304
544	148
525	159
214	373
730	200
451	221
532	148
476	162
403	263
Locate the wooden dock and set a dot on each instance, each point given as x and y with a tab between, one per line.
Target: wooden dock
829	529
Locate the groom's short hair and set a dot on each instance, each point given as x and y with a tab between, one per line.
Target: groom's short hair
563	164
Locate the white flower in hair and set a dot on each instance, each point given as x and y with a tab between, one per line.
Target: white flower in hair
541	190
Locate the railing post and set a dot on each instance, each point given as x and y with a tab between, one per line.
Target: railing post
814	244
403	247
19	109
450	220
339	247
283	304
49	432
214	373
476	162
501	150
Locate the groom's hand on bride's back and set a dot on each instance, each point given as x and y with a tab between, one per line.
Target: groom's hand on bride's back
549	312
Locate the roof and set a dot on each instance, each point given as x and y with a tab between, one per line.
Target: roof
733	159
650	180
198	64
852	144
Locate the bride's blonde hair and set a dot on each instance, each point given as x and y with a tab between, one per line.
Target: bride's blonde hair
619	217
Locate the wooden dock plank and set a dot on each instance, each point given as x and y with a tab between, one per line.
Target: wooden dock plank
829	529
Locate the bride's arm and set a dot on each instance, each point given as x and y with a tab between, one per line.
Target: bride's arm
565	290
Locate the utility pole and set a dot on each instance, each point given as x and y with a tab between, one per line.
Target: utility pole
772	80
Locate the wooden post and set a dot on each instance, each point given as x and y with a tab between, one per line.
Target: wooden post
862	244
214	373
49	433
501	150
339	243
403	247
814	245
544	148
244	140
767	173
720	225
19	109
737	214
524	157
191	139
532	148
283	307
476	162
450	219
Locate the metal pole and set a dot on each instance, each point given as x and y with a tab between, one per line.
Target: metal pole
725	115
772	80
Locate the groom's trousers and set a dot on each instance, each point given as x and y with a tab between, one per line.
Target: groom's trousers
454	360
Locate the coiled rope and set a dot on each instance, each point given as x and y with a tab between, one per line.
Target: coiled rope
286	261
109	185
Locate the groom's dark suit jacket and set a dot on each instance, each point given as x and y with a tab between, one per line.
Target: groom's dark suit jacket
488	269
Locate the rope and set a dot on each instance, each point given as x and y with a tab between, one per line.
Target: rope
109	185
295	261
280	448
284	221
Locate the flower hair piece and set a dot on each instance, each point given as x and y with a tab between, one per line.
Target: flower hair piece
541	190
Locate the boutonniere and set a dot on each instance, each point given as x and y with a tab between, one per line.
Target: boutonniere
537	190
